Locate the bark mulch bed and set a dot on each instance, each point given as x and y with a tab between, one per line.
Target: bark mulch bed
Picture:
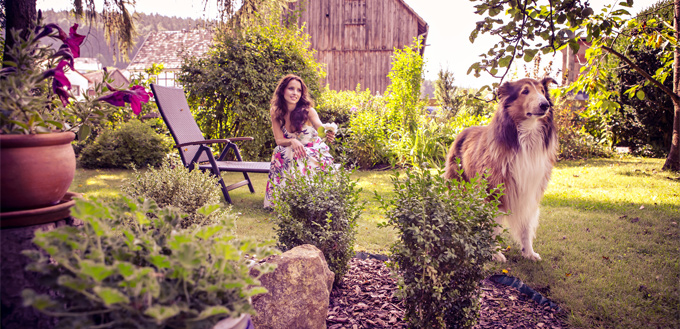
365	300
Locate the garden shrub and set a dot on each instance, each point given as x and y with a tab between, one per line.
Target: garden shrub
320	207
130	266
574	140
376	133
339	106
367	139
445	237
174	185
133	143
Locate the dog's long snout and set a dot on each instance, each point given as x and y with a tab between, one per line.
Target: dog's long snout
544	106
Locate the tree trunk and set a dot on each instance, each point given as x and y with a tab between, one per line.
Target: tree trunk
673	159
19	15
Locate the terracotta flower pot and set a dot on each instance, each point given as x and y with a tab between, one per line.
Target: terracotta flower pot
35	170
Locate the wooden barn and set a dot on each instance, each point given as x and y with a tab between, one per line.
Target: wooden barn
356	38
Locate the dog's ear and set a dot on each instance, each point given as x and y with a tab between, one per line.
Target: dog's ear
546	85
507	134
547	81
505	90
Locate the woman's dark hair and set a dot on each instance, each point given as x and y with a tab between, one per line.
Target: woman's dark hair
299	115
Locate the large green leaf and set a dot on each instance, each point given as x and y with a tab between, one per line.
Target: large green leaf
73	283
96	271
160	313
160	261
212	311
111	296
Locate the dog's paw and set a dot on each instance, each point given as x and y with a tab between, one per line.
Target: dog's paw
499	257
532	256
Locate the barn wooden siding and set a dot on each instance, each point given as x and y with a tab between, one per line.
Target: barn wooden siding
356	38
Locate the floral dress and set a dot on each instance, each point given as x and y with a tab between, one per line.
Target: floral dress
284	158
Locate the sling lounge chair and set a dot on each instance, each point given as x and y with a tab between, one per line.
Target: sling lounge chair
193	147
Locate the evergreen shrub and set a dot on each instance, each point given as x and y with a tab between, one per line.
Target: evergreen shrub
174	185
445	237
131	266
321	208
134	143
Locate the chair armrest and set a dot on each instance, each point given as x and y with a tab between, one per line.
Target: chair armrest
205	141
237	139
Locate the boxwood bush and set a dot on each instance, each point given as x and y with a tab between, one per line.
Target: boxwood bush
133	143
131	266
174	185
445	237
319	207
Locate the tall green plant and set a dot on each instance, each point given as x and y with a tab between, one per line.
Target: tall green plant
445	237
230	89
403	93
445	93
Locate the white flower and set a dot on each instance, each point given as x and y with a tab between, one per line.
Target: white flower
331	126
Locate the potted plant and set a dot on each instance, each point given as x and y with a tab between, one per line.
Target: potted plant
38	119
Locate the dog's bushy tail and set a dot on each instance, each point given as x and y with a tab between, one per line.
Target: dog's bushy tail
453	164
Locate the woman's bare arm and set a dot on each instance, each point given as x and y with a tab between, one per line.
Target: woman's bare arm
316	122
281	140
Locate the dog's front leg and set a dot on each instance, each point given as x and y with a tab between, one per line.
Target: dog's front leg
526	237
498	256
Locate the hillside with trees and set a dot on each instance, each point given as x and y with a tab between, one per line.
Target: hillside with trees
95	44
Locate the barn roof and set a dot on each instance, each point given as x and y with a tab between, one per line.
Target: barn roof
165	47
423	28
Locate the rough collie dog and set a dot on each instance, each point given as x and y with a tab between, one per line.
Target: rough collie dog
518	148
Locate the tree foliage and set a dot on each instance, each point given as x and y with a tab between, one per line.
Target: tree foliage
230	89
645	119
532	26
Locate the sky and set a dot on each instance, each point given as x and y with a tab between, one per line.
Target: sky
448	45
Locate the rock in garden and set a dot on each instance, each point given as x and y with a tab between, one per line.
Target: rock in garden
299	290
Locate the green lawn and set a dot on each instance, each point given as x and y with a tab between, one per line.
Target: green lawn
609	237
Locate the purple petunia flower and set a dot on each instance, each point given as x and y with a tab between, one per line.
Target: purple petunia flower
66	54
135	96
60	83
48	29
73	41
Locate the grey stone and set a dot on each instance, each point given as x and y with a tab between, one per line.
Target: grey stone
299	290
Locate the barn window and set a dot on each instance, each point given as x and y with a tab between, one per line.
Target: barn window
355	12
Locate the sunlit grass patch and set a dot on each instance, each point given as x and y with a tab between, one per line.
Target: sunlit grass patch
608	237
100	183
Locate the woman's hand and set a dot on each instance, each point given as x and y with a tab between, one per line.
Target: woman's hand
330	136
298	148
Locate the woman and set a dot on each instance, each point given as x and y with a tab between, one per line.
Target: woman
295	124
